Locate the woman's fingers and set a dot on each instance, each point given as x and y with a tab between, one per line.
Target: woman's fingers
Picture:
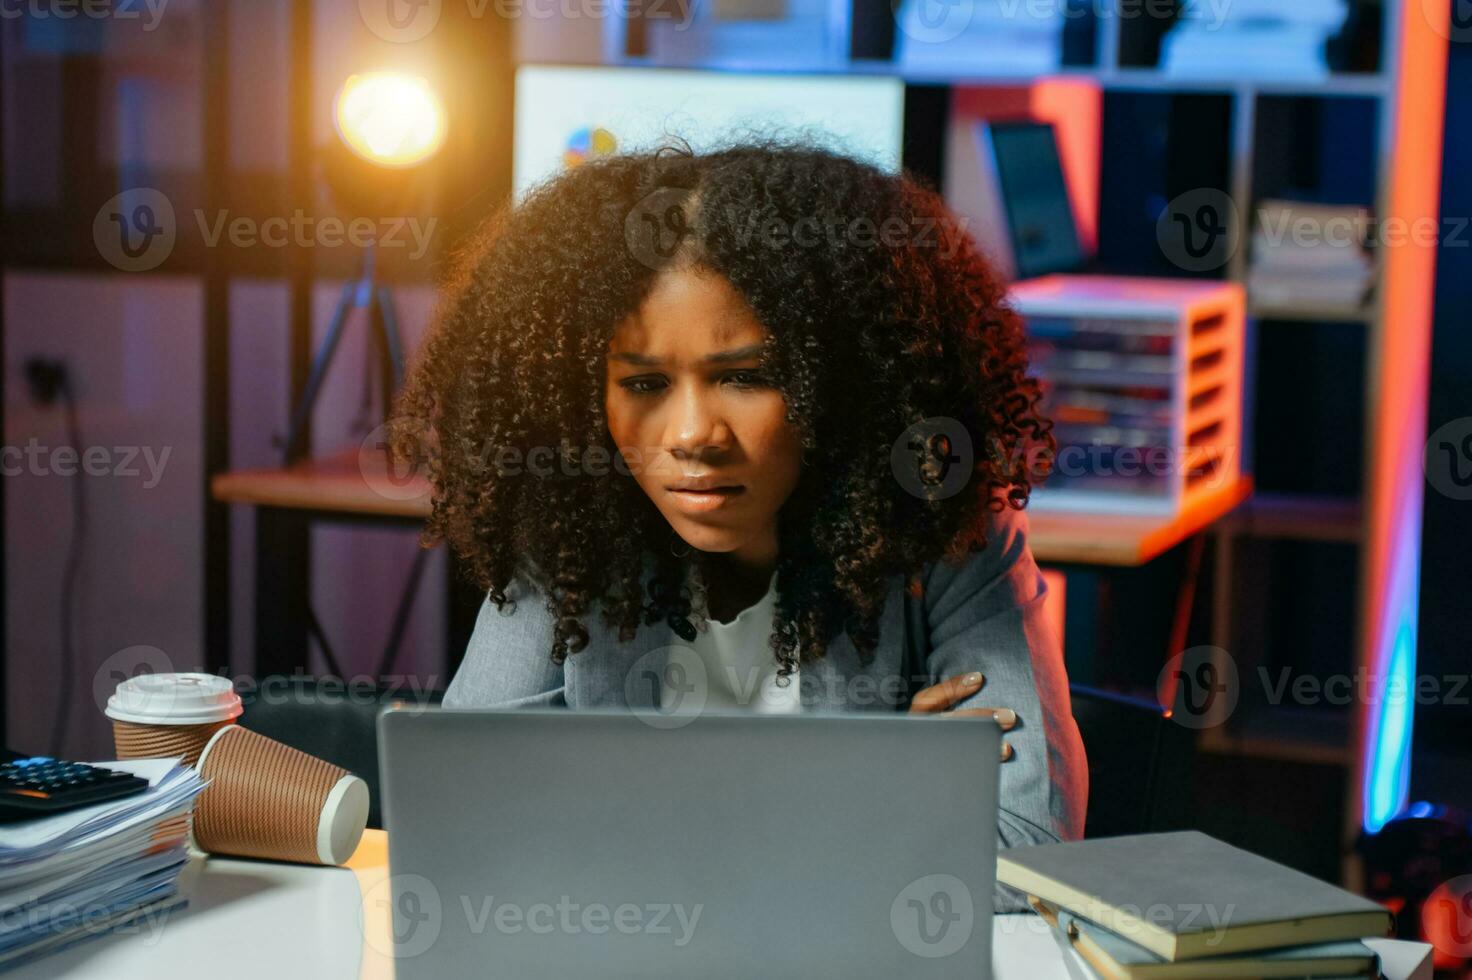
1005	717
939	697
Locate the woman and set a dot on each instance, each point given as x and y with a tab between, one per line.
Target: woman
741	430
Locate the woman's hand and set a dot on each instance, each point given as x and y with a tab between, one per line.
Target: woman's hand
938	699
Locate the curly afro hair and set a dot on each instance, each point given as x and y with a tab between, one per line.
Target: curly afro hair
881	316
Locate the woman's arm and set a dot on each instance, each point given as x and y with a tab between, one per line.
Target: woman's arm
988	616
507	662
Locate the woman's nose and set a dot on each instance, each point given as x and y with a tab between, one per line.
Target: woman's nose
696	428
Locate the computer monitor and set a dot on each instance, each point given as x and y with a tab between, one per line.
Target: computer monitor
1034	196
565	114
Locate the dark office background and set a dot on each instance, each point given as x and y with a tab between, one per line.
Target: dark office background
274	303
1446	540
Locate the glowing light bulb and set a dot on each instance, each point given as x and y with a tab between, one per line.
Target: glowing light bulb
390	119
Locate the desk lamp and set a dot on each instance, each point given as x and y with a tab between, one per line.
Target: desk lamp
389	125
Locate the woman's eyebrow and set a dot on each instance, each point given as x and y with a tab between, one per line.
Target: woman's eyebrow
747	353
735	354
629	357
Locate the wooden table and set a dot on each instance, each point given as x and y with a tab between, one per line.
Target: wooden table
349	487
1124	540
357	483
349	482
360	486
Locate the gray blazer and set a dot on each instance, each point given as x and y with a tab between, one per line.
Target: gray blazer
986	615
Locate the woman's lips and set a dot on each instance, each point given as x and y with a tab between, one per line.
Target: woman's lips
704	500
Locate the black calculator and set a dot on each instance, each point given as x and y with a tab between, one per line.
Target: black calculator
41	786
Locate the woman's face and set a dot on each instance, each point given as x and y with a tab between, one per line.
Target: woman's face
701	430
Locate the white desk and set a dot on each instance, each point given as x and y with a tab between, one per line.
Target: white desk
249	919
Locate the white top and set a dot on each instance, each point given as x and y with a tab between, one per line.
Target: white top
733	663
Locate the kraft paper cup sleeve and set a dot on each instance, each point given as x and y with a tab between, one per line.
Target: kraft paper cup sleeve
133	741
267	800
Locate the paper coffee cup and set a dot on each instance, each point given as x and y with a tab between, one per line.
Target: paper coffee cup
161	715
267	800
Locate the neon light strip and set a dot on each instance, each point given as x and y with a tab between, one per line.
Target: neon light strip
1399	360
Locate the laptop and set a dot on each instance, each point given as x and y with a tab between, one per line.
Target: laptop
609	843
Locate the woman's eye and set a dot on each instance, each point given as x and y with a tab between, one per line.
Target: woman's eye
642	385
745	379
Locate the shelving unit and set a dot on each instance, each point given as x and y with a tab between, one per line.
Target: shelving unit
1345	84
1317	738
1297	517
1405	81
1363	84
1284	314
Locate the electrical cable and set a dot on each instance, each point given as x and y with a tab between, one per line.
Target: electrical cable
49	381
70	574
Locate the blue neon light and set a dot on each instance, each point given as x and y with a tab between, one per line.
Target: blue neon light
1388	782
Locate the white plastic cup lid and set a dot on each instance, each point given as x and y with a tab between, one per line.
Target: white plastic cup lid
174	699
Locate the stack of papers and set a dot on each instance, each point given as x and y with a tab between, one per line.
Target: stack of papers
79	874
984	37
1311	257
1260	38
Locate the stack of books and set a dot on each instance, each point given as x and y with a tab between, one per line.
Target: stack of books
85	872
1185	905
1311	258
984	37
1259	38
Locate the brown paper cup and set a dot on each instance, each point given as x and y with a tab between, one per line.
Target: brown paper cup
267	800
162	741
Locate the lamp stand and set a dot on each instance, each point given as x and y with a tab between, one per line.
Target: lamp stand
366	293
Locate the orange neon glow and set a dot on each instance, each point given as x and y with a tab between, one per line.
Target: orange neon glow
1056	601
1076	110
1401	347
